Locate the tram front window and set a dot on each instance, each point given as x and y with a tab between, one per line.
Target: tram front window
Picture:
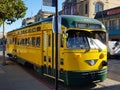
97	40
76	40
100	35
79	39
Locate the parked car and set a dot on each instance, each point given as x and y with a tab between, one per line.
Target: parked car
113	49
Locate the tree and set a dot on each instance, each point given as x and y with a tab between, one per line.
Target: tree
10	11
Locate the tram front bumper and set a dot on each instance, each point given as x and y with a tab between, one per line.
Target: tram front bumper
80	78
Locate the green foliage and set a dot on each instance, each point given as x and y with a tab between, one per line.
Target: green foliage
12	10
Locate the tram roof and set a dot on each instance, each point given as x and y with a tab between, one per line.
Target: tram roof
68	21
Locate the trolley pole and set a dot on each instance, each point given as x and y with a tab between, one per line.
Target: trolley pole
56	27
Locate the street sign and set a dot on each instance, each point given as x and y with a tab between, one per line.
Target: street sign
49	3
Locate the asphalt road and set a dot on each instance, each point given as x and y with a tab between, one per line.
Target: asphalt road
114	69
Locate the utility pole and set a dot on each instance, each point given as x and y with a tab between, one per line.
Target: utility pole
56	27
54	3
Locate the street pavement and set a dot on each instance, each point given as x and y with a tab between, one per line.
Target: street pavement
114	69
13	77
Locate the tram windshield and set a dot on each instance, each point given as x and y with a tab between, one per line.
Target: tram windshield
77	39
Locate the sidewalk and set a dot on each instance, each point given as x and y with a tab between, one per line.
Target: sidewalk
12	77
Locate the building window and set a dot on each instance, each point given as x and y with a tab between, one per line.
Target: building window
81	9
119	24
65	11
106	25
112	25
86	8
98	7
72	10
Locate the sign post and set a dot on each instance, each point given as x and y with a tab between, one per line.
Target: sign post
54	3
56	14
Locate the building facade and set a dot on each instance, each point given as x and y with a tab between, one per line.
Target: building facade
111	19
28	21
87	7
41	15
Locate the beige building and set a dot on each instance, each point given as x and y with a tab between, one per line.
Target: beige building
28	21
87	7
41	15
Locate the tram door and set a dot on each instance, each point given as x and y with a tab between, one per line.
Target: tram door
48	60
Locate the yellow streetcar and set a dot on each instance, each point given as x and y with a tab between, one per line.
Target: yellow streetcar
82	49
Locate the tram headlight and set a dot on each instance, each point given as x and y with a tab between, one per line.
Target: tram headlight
91	62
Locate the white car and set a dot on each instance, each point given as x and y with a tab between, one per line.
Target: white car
114	49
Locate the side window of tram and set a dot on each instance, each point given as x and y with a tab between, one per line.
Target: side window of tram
33	41
28	42
37	41
15	40
22	42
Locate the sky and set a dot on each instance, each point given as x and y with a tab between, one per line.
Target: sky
33	7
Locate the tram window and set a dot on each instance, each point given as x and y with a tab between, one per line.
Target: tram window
38	28
33	41
38	42
34	29
18	42
15	40
26	31
30	30
23	42
49	40
28	41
